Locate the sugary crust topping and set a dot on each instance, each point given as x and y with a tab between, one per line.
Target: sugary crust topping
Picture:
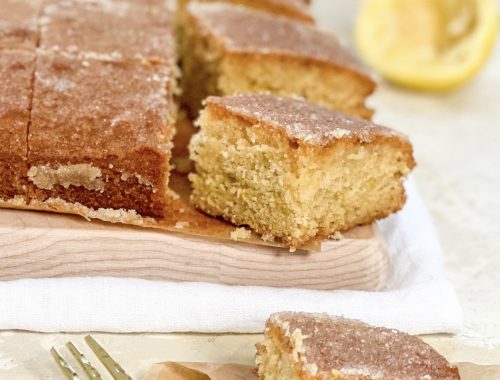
338	346
18	24
244	30
301	121
297	9
81	28
110	107
300	4
16	72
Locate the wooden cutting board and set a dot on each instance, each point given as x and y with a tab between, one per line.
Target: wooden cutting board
42	245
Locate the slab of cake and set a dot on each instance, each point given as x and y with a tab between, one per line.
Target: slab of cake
89	101
307	346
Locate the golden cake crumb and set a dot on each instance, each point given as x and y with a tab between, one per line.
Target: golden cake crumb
85	175
337	235
241	234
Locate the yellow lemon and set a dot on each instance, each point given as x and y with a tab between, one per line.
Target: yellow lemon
426	44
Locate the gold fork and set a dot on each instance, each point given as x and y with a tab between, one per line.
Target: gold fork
69	373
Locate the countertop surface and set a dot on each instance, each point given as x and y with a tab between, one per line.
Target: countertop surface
457	143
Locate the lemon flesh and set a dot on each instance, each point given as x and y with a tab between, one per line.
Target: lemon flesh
426	44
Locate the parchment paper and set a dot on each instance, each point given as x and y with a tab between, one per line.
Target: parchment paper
210	371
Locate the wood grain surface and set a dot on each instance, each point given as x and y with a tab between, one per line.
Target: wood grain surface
45	245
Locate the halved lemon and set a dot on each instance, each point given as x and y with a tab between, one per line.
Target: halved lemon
426	44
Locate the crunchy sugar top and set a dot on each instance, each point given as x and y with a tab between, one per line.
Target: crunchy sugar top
299	9
108	30
88	109
332	344
18	24
296	3
299	119
165	4
244	30
16	72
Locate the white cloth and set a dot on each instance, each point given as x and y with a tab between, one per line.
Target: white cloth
418	298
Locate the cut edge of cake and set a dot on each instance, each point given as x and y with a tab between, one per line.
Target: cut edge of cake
263	161
225	53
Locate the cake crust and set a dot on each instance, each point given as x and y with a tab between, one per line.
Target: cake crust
16	73
80	28
324	347
18	24
293	9
301	121
110	151
244	31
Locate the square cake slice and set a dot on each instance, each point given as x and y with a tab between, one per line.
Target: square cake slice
294	170
294	9
229	49
16	75
109	30
18	24
302	346
101	134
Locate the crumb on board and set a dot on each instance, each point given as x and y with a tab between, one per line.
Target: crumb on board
336	236
241	234
267	238
180	225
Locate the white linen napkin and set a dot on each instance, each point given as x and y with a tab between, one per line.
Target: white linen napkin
418	299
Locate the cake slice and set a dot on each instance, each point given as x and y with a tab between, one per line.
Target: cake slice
294	9
18	24
16	74
293	170
229	49
109	30
306	346
100	134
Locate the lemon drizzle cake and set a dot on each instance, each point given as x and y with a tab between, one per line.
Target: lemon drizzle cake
293	170
97	113
229	49
306	346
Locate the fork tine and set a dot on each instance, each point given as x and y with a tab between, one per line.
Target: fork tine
68	372
90	371
113	367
